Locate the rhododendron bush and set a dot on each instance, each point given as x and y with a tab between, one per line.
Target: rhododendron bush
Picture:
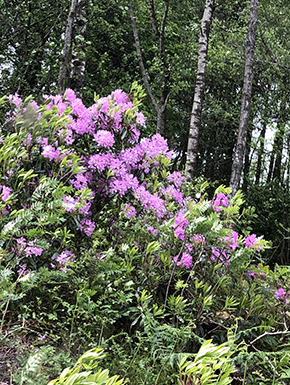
101	237
69	161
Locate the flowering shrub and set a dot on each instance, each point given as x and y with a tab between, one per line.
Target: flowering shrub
89	203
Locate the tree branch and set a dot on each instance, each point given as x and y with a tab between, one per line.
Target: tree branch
269	334
140	59
154	21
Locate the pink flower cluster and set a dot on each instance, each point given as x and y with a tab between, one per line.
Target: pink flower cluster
28	248
220	201
281	294
6	193
185	260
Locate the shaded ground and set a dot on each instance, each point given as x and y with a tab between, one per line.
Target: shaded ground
8	363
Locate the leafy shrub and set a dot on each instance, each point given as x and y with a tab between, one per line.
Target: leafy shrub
102	244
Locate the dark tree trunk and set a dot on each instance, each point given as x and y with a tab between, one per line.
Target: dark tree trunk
66	48
195	120
247	161
280	140
260	153
237	165
78	60
159	33
276	154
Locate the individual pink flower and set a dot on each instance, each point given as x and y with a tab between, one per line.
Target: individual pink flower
69	203
22	270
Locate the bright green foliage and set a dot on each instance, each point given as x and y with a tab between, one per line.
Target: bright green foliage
87	362
212	365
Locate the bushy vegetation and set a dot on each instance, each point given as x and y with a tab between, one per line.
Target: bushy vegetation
104	246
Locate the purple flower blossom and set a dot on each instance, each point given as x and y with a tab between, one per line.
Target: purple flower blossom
21	241
232	240
6	193
251	273
15	99
280	294
87	226
140	119
22	270
180	226
50	152
176	178
28	141
199	239
80	182
151	230
65	257
130	211
104	138
32	250
219	256
69	203
250	242
186	260
220	201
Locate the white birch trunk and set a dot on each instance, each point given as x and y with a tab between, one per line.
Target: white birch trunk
195	120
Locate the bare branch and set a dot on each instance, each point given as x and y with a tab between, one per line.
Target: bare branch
154	21
162	29
140	59
269	334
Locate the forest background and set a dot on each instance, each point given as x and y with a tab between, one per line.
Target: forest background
95	47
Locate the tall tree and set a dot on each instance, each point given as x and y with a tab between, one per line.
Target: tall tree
66	48
195	120
237	165
30	42
159	34
78	59
260	153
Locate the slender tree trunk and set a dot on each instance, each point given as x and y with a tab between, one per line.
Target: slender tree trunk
66	48
260	153
247	161
237	165
78	61
195	120
159	33
274	171
280	139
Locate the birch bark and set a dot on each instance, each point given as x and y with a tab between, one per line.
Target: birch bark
237	165
195	120
78	57
66	48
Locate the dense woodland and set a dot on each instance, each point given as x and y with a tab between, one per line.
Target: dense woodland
177	232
